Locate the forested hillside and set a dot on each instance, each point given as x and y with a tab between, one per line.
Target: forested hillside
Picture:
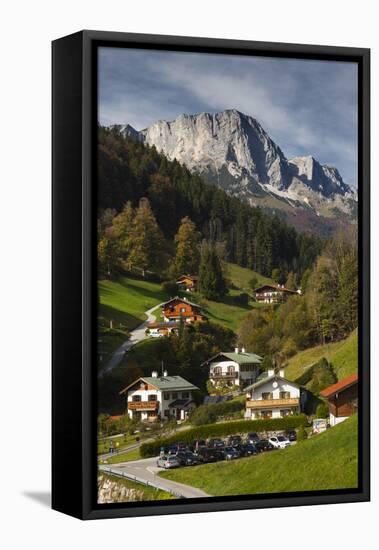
129	171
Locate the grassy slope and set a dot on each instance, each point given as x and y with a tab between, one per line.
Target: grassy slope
343	355
228	312
241	276
149	493
327	461
126	300
127	456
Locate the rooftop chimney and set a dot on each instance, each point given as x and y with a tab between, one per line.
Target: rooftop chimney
281	373
270	372
243	350
165	373
236	350
154	374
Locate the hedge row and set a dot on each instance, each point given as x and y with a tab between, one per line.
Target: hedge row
224	429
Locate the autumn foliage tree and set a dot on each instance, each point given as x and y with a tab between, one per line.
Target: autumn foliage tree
187	255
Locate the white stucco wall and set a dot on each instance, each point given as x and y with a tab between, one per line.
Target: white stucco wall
163	403
242	375
270	387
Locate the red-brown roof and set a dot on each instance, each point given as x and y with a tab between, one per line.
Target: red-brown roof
192	277
339	386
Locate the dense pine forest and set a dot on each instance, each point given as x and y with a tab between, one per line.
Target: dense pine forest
129	171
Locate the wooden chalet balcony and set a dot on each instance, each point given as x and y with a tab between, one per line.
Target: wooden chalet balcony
272	403
142	405
275	297
223	375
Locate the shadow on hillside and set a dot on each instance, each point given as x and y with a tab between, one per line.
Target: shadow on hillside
126	319
157	294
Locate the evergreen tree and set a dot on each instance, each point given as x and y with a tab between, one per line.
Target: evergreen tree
291	281
275	274
212	284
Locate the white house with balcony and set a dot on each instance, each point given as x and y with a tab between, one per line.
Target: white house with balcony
155	397
272	396
238	368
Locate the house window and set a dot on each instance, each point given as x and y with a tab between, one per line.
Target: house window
166	396
174	395
151	413
217	370
285	395
152	398
182	310
167	412
266	414
285	412
231	370
136	398
185	395
267	395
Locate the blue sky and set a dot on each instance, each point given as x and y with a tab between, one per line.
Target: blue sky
307	107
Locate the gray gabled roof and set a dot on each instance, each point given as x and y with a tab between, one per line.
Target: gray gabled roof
164	383
267	379
242	358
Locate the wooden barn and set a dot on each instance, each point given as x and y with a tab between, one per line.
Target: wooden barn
342	399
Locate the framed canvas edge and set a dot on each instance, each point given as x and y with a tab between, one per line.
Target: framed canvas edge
91	511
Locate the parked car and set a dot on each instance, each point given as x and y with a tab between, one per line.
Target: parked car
168	462
234	440
197	443
187	458
205	455
216	443
177	448
292	435
247	449
230	453
279	442
252	438
263	445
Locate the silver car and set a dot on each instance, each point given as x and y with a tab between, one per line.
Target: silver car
167	462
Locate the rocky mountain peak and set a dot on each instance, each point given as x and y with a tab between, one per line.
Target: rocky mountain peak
233	150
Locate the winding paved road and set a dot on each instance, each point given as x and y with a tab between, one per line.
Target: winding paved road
136	335
146	470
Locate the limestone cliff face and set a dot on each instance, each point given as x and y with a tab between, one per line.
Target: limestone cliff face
232	150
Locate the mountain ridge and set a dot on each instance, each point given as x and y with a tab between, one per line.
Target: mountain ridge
234	151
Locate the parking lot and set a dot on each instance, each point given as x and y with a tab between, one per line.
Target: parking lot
232	447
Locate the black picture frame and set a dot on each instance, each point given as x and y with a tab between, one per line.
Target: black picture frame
74	89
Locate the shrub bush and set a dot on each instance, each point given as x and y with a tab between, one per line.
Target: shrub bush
242	299
207	414
301	433
322	410
224	429
318	376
